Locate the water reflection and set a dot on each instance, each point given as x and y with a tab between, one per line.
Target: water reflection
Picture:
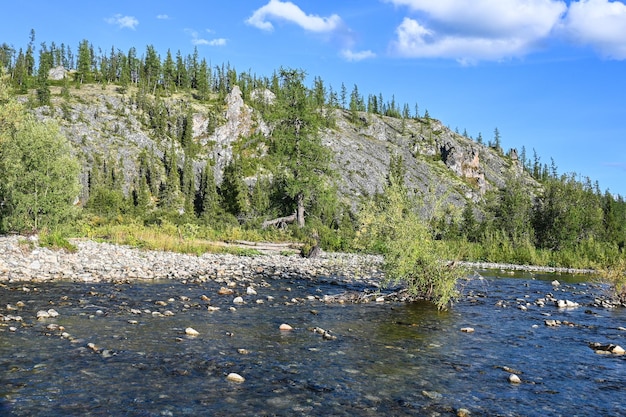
387	358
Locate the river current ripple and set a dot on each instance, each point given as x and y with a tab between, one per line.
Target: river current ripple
122	350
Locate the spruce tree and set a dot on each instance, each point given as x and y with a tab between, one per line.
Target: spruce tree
295	142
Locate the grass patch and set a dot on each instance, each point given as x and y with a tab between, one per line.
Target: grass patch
56	241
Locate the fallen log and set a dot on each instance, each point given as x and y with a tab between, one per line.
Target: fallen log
280	222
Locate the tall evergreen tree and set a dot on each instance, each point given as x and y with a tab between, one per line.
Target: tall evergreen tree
43	85
208	200
234	191
296	143
169	72
83	70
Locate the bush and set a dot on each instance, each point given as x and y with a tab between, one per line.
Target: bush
38	178
392	225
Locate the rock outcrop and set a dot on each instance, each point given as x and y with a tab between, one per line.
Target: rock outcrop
448	168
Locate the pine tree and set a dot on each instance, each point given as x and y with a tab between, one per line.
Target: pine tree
343	95
182	77
296	144
169	72
234	191
170	197
202	82
30	55
496	140
83	70
208	200
43	85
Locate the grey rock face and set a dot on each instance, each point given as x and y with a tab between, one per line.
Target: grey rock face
448	169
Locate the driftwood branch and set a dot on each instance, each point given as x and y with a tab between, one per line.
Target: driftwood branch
279	222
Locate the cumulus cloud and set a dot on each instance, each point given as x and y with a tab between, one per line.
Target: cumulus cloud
353	56
288	11
162	17
211	42
480	30
123	22
196	39
600	24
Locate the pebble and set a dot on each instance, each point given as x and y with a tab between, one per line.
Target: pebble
234	377
566	304
463	412
238	300
250	291
514	379
433	395
42	314
467	330
618	350
225	291
190	331
285	327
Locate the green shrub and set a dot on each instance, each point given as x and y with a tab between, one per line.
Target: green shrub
392	225
55	240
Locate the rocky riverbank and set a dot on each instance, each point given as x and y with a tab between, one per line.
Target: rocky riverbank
22	260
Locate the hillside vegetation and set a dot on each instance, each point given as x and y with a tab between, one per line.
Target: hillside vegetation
111	145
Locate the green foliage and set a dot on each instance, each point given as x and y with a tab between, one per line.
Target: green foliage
393	226
38	178
566	214
615	275
296	148
107	202
234	191
511	211
56	240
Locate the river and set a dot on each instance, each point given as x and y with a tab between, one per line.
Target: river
122	350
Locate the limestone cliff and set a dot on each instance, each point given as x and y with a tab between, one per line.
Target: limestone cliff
104	124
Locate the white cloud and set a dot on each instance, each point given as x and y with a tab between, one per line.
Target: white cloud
212	42
287	11
600	24
197	40
416	41
163	17
480	30
353	56
123	22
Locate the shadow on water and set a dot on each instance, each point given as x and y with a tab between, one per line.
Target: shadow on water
381	358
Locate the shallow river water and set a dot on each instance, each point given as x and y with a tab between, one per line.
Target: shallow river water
386	358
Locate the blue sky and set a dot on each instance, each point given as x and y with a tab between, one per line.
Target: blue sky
549	74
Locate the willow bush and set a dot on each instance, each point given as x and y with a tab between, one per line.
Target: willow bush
392	226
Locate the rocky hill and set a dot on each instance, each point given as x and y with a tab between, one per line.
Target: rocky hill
105	124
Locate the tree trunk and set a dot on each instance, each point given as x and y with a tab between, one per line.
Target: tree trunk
279	222
300	210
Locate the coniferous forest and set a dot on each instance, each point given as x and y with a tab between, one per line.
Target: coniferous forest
278	183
